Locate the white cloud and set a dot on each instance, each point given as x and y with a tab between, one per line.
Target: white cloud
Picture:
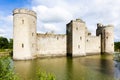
50	27
91	11
6	26
55	14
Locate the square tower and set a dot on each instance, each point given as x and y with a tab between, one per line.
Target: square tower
76	38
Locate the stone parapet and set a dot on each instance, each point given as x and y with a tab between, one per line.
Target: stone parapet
24	11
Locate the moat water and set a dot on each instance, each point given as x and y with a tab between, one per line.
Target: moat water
81	68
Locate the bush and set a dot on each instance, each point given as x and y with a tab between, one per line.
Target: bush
6	69
42	75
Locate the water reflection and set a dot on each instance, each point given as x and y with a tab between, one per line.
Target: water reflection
69	69
82	68
25	69
117	70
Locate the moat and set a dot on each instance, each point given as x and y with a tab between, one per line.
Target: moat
100	67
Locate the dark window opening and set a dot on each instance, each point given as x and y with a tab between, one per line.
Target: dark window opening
87	40
33	21
79	46
76	28
80	38
32	34
57	38
106	37
22	45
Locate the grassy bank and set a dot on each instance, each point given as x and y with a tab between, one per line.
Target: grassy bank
5	52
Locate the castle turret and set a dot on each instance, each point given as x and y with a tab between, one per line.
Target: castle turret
24	25
76	38
107	38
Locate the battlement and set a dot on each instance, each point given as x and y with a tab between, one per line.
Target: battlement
79	20
109	25
24	11
99	25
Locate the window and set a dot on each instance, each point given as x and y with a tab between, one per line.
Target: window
107	37
22	45
76	28
32	34
33	21
87	40
79	46
80	38
57	38
22	21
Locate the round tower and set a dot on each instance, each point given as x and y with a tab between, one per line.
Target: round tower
24	34
109	39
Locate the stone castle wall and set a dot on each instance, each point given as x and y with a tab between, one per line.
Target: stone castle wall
51	44
93	45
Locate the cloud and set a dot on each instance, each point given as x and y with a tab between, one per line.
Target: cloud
91	11
6	26
50	27
49	15
55	14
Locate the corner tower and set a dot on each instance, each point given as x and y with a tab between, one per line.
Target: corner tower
24	34
76	38
107	38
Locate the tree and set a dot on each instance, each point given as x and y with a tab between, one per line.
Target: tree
3	43
117	46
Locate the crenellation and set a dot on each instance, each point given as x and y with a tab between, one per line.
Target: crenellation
80	20
24	11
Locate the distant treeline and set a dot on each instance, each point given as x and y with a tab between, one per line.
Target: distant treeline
6	43
117	46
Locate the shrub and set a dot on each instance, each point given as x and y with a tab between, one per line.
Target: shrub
7	69
42	75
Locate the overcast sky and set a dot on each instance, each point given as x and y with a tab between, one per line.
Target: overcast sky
53	15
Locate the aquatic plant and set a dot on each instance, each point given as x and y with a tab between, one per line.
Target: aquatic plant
7	69
42	75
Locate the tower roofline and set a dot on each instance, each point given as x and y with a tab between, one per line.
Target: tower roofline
24	11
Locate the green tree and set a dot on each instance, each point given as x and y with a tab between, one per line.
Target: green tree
3	43
117	46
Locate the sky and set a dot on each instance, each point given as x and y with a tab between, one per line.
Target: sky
53	15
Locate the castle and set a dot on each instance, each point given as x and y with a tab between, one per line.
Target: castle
78	41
